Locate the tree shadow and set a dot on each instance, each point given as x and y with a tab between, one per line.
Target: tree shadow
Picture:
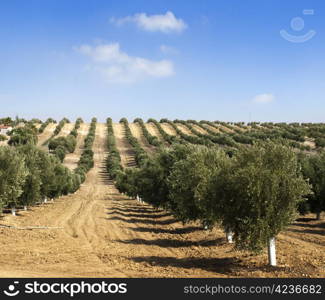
183	230
303	219
310	231
144	221
171	243
137	210
318	225
219	265
139	215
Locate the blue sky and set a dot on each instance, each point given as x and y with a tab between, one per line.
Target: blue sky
208	59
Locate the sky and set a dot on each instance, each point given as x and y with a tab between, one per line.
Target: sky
229	60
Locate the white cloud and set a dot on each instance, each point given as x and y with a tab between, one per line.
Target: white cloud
263	98
168	50
118	66
166	23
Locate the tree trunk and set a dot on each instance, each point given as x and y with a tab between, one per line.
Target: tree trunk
271	251
229	235
318	215
13	211
25	207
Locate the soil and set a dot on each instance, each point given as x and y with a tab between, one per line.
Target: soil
126	152
71	159
212	128
184	129
98	232
199	129
66	129
138	134
45	135
153	130
168	129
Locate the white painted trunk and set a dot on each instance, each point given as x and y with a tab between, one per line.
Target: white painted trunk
229	235
25	207
205	227
13	211
271	251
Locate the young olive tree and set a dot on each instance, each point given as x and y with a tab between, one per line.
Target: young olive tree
150	180
13	173
32	186
314	170
189	183
259	194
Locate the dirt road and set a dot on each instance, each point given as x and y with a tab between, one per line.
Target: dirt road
138	134
45	135
212	128
65	129
104	234
151	127
199	129
184	129
127	154
71	159
168	128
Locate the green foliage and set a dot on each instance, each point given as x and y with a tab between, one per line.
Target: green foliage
60	126
33	182
68	143
86	161
189	183
168	138
60	153
152	140
2	138
113	162
259	193
320	142
150	181
13	173
140	155
254	193
23	135
47	122
313	168
7	121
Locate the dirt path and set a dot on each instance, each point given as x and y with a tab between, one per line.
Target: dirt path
45	135
65	129
216	130
138	134
224	128
151	127
184	129
127	154
199	129
168	128
71	159
104	234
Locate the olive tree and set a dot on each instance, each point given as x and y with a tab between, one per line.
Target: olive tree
259	193
32	186
189	183
13	173
314	170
